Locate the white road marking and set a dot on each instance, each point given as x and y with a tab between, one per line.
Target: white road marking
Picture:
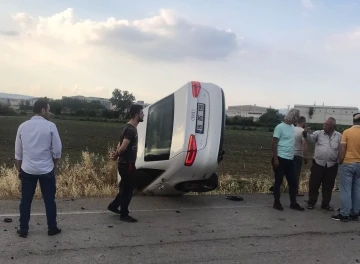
84	212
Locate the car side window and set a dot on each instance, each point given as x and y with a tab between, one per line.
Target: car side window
159	130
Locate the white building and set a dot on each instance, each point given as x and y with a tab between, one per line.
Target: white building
319	114
142	103
12	103
246	111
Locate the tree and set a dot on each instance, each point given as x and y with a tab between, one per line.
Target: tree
56	106
5	110
25	105
122	101
271	117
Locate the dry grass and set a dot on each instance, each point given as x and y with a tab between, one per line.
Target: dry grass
236	185
95	176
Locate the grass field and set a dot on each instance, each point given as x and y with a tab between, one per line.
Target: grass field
246	166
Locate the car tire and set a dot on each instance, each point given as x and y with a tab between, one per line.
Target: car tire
199	186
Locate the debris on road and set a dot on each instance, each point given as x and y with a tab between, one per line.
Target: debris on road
235	198
8	220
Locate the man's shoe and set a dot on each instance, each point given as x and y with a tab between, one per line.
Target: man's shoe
297	207
113	209
354	217
327	208
22	233
278	206
54	231
128	219
340	217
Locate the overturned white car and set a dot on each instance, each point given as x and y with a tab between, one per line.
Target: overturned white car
180	142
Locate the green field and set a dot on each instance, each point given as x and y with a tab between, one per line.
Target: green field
247	152
86	170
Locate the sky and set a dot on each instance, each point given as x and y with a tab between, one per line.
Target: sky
269	53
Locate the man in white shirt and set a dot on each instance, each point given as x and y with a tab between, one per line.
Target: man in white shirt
37	149
325	163
300	151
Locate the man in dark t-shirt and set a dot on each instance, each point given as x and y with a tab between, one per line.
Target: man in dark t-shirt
129	132
126	154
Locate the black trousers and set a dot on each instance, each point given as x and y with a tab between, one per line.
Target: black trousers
321	176
127	185
298	160
286	167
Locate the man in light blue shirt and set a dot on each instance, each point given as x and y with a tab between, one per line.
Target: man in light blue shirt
37	149
283	147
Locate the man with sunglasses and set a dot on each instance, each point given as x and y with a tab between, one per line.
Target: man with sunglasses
325	163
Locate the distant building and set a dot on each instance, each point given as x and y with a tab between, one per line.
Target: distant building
246	111
142	103
15	103
318	114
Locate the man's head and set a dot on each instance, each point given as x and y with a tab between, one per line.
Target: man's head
136	113
301	122
292	116
42	108
356	119
329	125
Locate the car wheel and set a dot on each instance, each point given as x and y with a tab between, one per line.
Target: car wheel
199	186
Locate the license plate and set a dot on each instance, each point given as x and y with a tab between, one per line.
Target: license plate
200	118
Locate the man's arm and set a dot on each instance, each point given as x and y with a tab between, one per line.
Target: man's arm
311	137
305	148
121	148
275	151
343	147
56	145
275	142
18	150
342	152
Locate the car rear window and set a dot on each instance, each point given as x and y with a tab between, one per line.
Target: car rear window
159	130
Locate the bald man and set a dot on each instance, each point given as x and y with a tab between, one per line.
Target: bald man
325	163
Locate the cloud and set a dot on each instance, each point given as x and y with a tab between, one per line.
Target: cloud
9	33
307	4
347	42
166	36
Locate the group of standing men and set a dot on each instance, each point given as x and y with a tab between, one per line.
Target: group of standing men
38	148
332	150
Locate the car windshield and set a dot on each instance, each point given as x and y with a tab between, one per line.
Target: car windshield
159	130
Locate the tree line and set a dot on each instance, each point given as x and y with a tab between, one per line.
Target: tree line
271	118
67	106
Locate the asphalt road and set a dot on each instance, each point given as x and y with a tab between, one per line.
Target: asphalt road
189	229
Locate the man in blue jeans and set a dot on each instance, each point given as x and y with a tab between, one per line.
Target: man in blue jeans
349	158
37	149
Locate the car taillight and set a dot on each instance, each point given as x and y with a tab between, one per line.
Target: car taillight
191	152
196	87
